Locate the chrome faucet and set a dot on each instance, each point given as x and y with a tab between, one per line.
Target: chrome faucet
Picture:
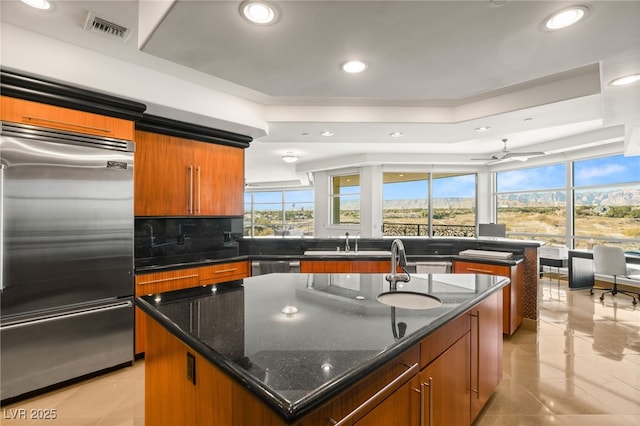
347	248
398	258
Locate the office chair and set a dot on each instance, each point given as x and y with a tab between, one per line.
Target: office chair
610	261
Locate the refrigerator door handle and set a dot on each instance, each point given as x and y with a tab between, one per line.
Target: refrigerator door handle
71	314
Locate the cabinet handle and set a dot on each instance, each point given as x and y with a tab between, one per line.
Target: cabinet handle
476	390
198	190
422	410
222	271
191	368
168	279
383	393
190	189
484	271
64	123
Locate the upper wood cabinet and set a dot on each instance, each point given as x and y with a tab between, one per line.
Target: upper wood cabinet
182	177
55	117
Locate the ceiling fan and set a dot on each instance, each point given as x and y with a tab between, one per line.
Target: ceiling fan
505	155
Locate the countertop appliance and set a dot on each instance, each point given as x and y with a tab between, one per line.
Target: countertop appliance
66	288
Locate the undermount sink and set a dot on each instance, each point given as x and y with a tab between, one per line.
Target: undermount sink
409	300
347	253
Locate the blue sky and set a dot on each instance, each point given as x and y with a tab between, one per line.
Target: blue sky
598	171
455	187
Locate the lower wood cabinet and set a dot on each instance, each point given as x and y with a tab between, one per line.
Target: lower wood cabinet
159	282
486	351
444	387
344	266
512	294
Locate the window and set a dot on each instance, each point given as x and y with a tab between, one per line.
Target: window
408	209
278	213
405	209
345	199
532	203
606	197
454	205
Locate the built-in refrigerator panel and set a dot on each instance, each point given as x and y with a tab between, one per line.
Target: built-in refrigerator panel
67	224
66	290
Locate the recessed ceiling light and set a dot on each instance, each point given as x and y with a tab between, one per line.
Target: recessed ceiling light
289	157
483	129
565	17
396	134
258	12
38	4
326	133
354	67
627	79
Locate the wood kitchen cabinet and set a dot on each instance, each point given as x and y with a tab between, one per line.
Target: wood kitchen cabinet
512	294
486	351
344	266
159	282
224	272
182	177
444	387
55	117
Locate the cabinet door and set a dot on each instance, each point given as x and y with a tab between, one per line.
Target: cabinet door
54	117
444	386
219	180
325	266
163	175
512	294
371	266
400	408
486	351
157	283
223	272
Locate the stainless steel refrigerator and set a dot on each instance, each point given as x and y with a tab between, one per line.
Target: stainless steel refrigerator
66	289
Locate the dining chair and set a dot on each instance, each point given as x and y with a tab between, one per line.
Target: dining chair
611	261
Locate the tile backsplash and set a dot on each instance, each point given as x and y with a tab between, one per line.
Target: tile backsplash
163	241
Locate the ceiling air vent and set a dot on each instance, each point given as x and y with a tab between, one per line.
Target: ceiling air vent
106	28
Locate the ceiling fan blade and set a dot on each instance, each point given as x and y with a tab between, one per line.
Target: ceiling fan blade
523	154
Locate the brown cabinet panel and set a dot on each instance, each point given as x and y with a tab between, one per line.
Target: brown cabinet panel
224	272
371	266
181	177
325	266
54	117
159	282
344	266
163	175
444	386
401	408
438	341
486	351
512	294
219	180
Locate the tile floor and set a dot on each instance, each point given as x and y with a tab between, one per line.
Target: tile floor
582	367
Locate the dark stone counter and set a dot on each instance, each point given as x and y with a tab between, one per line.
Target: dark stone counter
339	333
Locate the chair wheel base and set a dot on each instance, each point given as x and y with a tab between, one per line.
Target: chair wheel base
602	298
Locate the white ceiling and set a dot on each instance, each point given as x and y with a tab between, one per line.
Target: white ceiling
437	70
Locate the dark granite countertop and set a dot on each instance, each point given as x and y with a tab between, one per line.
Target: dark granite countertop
339	334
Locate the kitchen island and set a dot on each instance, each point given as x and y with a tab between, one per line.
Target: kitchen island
310	349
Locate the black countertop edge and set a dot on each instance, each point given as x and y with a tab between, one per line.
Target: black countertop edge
412	259
187	265
294	412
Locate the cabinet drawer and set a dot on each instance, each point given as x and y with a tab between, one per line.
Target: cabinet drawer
166	281
54	117
481	268
440	340
223	272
